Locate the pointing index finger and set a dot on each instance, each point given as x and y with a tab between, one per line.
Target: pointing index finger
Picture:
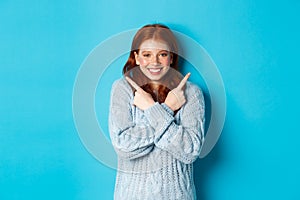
183	81
133	84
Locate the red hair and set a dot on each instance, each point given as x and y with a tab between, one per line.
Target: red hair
161	33
152	31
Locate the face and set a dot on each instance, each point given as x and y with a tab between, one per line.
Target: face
154	59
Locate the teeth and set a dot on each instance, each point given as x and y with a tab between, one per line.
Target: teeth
154	70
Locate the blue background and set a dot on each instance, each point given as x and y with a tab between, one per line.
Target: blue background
255	45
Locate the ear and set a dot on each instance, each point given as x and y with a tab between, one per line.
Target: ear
171	59
136	56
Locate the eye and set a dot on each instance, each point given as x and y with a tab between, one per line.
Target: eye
164	54
147	55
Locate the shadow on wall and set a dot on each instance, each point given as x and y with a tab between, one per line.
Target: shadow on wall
204	167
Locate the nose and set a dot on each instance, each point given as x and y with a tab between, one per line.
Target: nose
155	60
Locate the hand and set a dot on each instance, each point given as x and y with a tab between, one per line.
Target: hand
142	99
175	98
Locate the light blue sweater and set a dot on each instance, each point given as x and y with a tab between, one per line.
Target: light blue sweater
155	149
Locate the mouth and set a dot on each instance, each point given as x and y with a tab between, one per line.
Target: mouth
155	71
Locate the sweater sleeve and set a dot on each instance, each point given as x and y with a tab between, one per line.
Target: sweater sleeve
130	140
183	139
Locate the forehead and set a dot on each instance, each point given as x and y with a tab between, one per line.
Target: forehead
154	45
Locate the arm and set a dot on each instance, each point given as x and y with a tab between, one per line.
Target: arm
182	140
130	140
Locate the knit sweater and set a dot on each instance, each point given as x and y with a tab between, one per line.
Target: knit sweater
155	148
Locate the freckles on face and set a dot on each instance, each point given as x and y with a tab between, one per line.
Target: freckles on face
154	59
142	62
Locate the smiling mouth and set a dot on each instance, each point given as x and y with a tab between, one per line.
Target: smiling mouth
155	71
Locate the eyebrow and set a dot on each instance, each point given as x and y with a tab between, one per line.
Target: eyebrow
147	51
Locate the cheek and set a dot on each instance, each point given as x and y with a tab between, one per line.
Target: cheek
143	62
166	61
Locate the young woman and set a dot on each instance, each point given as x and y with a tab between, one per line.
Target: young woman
156	121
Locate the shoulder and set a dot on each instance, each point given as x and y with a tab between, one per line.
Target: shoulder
121	86
193	90
194	99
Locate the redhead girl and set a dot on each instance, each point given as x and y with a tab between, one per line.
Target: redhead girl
156	121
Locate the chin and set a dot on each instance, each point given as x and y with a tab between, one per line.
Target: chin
154	78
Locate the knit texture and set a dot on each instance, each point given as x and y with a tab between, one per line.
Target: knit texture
155	149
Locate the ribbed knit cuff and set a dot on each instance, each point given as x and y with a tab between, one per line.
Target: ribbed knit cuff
167	108
159	118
